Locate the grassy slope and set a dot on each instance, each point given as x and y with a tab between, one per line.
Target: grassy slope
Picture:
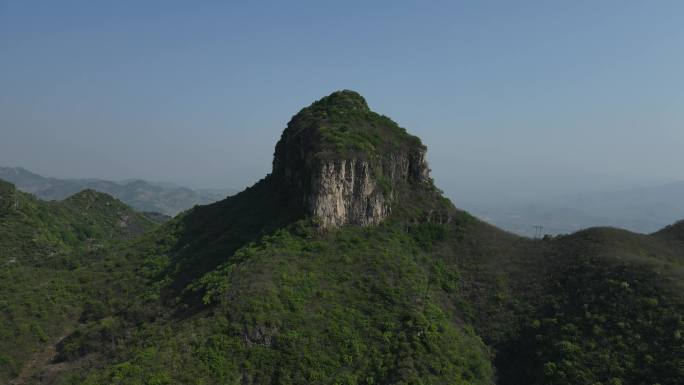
45	252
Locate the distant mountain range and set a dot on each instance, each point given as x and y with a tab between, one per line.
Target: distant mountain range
142	195
643	210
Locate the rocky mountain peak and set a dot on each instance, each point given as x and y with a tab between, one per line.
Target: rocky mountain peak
345	164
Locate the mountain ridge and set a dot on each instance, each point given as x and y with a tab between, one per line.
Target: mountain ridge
259	289
142	195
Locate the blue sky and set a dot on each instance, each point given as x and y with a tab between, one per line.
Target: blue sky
514	99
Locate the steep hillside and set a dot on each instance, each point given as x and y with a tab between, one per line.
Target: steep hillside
46	249
600	306
346	265
141	195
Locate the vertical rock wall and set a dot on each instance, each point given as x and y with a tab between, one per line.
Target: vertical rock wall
353	191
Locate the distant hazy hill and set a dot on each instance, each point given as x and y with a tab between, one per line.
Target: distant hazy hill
139	194
643	210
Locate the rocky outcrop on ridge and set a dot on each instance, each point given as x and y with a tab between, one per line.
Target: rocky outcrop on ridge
345	164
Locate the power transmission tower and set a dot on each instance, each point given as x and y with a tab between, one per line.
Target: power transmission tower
538	231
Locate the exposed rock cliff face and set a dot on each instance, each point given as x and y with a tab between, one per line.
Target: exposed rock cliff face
345	164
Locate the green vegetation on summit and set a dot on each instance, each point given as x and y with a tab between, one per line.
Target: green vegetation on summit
347	266
344	127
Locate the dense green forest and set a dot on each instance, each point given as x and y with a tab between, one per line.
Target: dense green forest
252	290
47	250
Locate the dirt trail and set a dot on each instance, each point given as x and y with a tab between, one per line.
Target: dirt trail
41	361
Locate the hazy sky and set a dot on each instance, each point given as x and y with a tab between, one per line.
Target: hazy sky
512	98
